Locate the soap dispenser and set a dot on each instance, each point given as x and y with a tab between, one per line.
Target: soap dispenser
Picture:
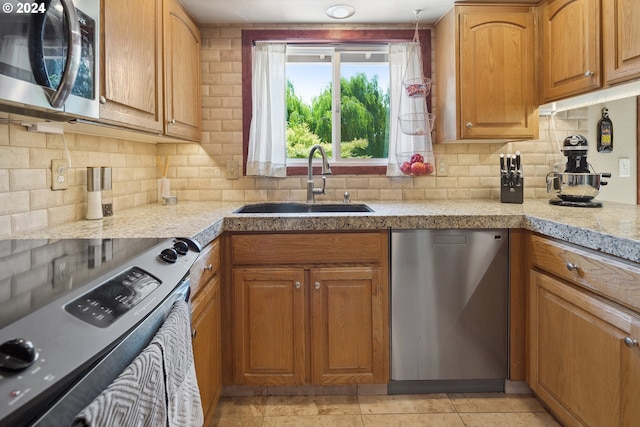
94	195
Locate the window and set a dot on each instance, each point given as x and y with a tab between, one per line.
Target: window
338	97
355	51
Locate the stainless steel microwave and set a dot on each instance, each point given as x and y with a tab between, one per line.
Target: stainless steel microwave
49	57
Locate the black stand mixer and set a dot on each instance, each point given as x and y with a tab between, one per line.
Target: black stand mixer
577	185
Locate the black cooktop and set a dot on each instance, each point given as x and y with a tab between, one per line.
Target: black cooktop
34	272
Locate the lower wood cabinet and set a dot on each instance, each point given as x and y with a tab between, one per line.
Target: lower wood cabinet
349	312
206	328
298	321
584	360
269	326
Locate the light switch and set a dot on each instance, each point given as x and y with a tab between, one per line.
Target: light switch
624	167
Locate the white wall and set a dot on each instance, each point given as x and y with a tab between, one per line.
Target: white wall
623	115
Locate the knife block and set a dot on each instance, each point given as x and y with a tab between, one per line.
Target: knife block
510	192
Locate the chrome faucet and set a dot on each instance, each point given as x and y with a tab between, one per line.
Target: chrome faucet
326	170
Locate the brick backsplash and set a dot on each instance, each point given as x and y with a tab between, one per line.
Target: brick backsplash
198	171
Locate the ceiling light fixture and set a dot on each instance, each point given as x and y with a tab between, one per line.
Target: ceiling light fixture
340	11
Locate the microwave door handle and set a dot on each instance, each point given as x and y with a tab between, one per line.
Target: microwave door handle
59	97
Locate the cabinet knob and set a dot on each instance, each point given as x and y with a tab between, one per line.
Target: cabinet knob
173	121
588	73
103	100
469	125
316	285
194	332
298	285
572	267
209	267
630	342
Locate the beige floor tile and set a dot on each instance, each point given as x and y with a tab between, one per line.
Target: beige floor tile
495	402
314	421
237	422
405	404
521	419
311	405
412	420
236	407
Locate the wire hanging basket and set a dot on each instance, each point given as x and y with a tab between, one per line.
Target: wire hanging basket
416	163
417	88
416	123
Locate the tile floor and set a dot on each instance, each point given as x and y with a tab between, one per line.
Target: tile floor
441	410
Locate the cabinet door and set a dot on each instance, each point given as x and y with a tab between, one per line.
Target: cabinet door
132	64
576	353
269	325
349	337
570	48
497	81
631	378
207	345
182	69
621	39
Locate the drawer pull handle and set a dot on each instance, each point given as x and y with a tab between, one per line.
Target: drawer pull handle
316	285
209	267
630	342
298	285
572	267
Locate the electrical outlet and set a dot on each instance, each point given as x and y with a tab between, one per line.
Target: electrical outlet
232	169
59	176
443	168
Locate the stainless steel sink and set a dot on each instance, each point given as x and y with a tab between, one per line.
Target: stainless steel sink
292	207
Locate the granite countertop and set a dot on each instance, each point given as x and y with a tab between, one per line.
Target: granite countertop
613	229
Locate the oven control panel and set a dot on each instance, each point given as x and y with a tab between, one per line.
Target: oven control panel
106	303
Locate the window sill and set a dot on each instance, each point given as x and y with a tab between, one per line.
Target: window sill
340	170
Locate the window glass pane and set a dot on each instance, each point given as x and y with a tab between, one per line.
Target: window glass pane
364	105
359	130
309	118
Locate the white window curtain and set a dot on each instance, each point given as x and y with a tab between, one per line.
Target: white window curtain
267	135
405	63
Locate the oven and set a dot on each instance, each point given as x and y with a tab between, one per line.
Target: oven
75	313
49	57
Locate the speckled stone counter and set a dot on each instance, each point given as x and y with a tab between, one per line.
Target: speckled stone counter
613	229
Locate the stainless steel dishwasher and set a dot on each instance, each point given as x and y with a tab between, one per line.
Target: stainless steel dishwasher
449	310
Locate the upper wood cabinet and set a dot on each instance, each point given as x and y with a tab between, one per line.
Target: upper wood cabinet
621	40
485	71
132	85
151	68
570	31
182	73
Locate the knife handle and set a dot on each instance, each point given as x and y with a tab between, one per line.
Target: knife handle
502	162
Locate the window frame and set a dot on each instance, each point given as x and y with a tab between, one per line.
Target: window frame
249	37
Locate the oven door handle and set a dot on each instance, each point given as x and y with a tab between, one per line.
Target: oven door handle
72	65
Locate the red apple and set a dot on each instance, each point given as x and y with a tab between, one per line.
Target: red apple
429	167
418	168
417	157
405	167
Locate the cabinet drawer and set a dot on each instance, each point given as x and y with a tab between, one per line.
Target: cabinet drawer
207	265
308	248
604	274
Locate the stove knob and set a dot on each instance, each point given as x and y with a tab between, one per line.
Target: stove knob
17	354
181	247
169	255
